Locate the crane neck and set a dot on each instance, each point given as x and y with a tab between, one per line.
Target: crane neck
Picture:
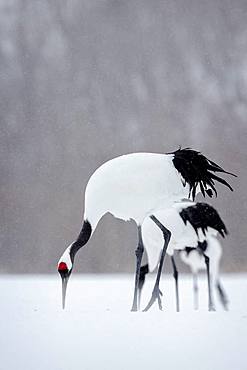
82	239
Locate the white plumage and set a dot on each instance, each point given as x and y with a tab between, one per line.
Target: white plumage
195	259
196	262
190	224
132	186
181	235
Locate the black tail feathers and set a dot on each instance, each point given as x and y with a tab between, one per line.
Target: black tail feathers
196	170
202	216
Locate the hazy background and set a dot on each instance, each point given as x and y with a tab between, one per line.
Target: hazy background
82	81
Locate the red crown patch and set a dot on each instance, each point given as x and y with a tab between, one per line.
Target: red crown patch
62	266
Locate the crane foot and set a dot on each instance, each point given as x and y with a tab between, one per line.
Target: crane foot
156	295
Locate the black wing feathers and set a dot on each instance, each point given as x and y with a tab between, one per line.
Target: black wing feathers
201	216
196	170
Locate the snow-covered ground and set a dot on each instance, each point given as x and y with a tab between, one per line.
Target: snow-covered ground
97	331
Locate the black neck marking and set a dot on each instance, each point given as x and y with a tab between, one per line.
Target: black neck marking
188	250
82	239
202	246
196	170
202	216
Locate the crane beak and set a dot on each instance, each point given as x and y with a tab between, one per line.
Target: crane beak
64	289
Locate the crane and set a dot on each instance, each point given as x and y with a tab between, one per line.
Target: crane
131	187
196	258
185	223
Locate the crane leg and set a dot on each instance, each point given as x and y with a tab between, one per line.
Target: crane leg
210	299
222	295
143	272
156	290
195	289
139	253
175	275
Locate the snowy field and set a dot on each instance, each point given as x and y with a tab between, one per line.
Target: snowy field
98	331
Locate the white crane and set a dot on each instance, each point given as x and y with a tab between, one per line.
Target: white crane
183	224
131	187
196	258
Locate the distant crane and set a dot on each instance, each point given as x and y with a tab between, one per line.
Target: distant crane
183	224
131	187
196	259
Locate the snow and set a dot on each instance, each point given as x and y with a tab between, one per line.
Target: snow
98	331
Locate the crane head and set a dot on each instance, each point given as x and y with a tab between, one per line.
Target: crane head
66	262
65	274
65	266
